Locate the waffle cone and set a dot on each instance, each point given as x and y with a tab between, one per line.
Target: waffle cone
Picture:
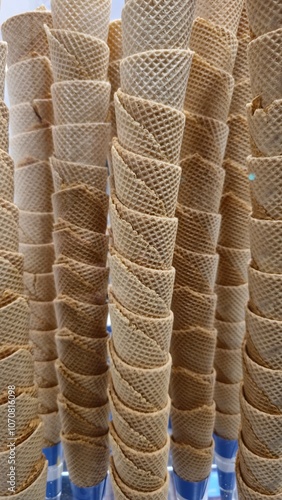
227	426
85	143
115	40
197	271
236	180
149	128
265	126
201	184
225	15
11	272
264	55
191	464
146	240
14	319
260	385
80	317
238	145
266	188
241	68
45	374
80	281
37	486
167	75
123	492
194	349
37	145
132	345
140	431
52	429
235	221
146	292
29	79
231	302
197	231
247	493
193	427
67	174
264	18
79	452
27	407
43	345
114	77
26	36
157	330
28	455
42	316
9	217
190	390
27	116
263	339
47	398
204	136
82	355
158	180
265	237
226	397
38	259
164	26
207	80
242	94
7	180
35	228
40	287
230	335
215	43
34	187
80	101
264	291
228	365
260	430
89	17
3	59
233	266
77	56
192	308
140	389
82	206
94	421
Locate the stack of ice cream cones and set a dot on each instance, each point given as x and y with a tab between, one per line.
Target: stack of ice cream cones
207	103
259	460
144	187
29	80
81	134
23	468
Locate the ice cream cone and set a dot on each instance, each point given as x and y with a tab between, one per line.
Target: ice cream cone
27	116
47	398
235	214
194	348
197	271
226	397
265	237
36	145
29	79
93	420
42	316
207	80
83	390
231	302
264	55
263	339
204	136
34	187
227	16
242	94
233	266
157	75
230	335
192	308
43	345
3	60
260	430
26	36
247	493
140	389
265	126
89	17
201	184
191	390
7	180
77	56
35	228
141	431
85	143
227	426
238	144
79	452
228	365
37	485
45	374
146	240
80	101
236	180
81	281
38	258
215	43
191	464
266	188
80	317
163	27
14	319
193	427
264	292
197	231
9	217
115	40
149	128
141	290
52	428
40	287
264	17
241	68
11	272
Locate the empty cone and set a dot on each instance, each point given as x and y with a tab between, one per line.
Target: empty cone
228	365
191	390
34	187
194	348
265	126
26	116
226	397
238	145
14	319
266	187
35	228
231	302
197	231
193	427
265	237
242	94
227	16
264	290
36	145
236	180
73	417
197	271
235	214
192	308
42	316
227	426
40	286
43	345
247	493
191	464
241	68
38	258
230	335
233	266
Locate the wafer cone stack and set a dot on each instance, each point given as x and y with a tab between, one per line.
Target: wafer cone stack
13	311
266	257
194	426
187	346
199	460
245	492
263	290
26	116
197	271
227	426
231	301
230	335
203	227
43	345
232	268
265	193
67	173
229	17
264	124
226	397
199	308
34	187
191	390
94	420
